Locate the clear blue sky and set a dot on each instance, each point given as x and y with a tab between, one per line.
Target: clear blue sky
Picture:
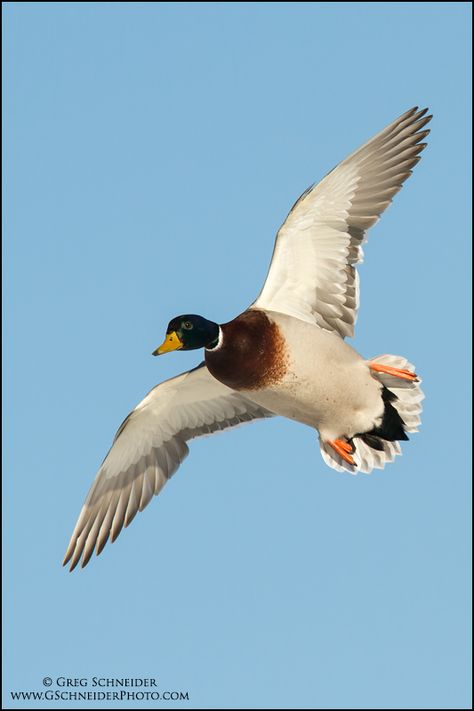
151	152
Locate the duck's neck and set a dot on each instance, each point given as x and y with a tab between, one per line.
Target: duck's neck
217	342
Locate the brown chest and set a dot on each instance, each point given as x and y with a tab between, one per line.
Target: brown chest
253	353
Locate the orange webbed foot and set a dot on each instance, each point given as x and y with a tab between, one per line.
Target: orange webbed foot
343	449
396	372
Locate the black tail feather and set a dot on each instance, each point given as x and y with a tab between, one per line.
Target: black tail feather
392	427
372	441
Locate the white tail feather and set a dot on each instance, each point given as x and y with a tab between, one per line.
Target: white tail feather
408	404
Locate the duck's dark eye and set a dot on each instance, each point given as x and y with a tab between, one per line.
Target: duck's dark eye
187	325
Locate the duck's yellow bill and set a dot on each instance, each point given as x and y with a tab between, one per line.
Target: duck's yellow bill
172	342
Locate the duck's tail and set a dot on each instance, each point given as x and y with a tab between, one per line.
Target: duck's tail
402	396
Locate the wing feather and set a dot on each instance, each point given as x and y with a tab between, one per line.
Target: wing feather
148	448
312	275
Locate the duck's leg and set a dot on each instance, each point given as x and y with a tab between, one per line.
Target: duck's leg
343	449
396	372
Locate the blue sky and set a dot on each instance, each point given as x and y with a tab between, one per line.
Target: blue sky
151	151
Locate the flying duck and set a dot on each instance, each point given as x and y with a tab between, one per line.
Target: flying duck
285	355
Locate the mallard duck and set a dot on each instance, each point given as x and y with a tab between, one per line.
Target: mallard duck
285	355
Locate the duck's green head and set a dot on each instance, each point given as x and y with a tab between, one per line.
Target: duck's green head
187	333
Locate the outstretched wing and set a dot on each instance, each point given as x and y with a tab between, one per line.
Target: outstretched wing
312	274
148	448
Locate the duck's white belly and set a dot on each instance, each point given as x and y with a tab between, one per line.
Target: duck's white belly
327	384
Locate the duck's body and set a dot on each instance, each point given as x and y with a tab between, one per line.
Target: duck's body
326	385
285	355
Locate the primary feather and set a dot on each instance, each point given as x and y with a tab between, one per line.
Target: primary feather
147	450
312	274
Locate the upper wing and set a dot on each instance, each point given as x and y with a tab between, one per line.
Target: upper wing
311	274
148	448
